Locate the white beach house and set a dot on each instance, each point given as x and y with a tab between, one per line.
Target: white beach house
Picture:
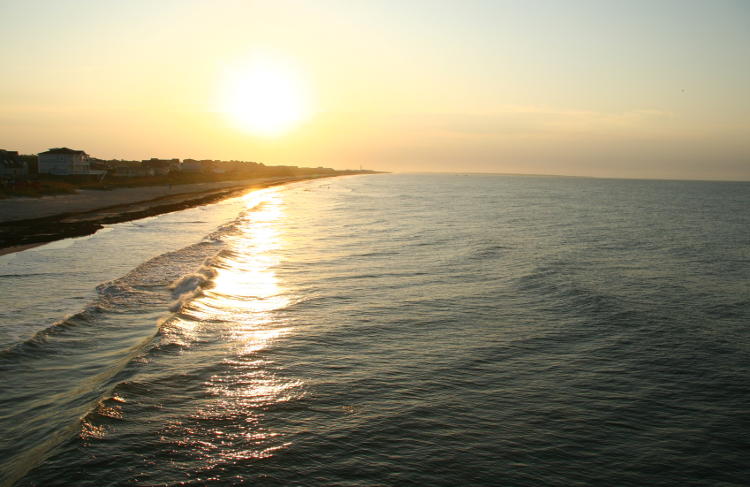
65	162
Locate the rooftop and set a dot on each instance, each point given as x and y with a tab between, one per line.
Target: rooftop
63	150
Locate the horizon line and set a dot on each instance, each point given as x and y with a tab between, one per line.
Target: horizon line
544	175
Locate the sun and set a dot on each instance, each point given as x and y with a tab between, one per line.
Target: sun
265	97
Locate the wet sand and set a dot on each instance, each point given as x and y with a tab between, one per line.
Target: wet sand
28	222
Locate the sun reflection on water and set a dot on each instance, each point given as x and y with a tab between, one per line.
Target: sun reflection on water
237	316
245	288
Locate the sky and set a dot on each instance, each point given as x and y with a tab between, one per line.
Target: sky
637	89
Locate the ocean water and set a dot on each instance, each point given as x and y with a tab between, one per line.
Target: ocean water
387	330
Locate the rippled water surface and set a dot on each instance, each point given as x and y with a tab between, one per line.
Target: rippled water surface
389	330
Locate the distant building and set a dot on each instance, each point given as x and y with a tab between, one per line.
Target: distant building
12	166
65	162
98	165
216	167
128	169
162	167
31	162
191	165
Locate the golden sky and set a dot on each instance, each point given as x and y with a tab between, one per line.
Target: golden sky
591	88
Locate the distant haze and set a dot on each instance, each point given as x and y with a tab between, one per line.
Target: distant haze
655	89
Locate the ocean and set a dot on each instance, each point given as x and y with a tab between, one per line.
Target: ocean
383	330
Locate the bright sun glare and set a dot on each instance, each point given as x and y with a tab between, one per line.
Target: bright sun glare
265	97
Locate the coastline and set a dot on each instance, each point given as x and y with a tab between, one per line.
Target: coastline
18	248
56	224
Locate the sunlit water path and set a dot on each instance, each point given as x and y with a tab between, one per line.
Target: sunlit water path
390	330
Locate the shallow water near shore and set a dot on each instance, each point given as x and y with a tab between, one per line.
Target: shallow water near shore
389	330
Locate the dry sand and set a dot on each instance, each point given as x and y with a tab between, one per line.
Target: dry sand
12	209
28	222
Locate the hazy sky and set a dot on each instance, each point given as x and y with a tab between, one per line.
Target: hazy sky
625	88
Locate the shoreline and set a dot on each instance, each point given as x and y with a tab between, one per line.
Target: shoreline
19	248
23	234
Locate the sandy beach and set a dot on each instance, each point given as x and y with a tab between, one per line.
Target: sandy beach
27	222
13	209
